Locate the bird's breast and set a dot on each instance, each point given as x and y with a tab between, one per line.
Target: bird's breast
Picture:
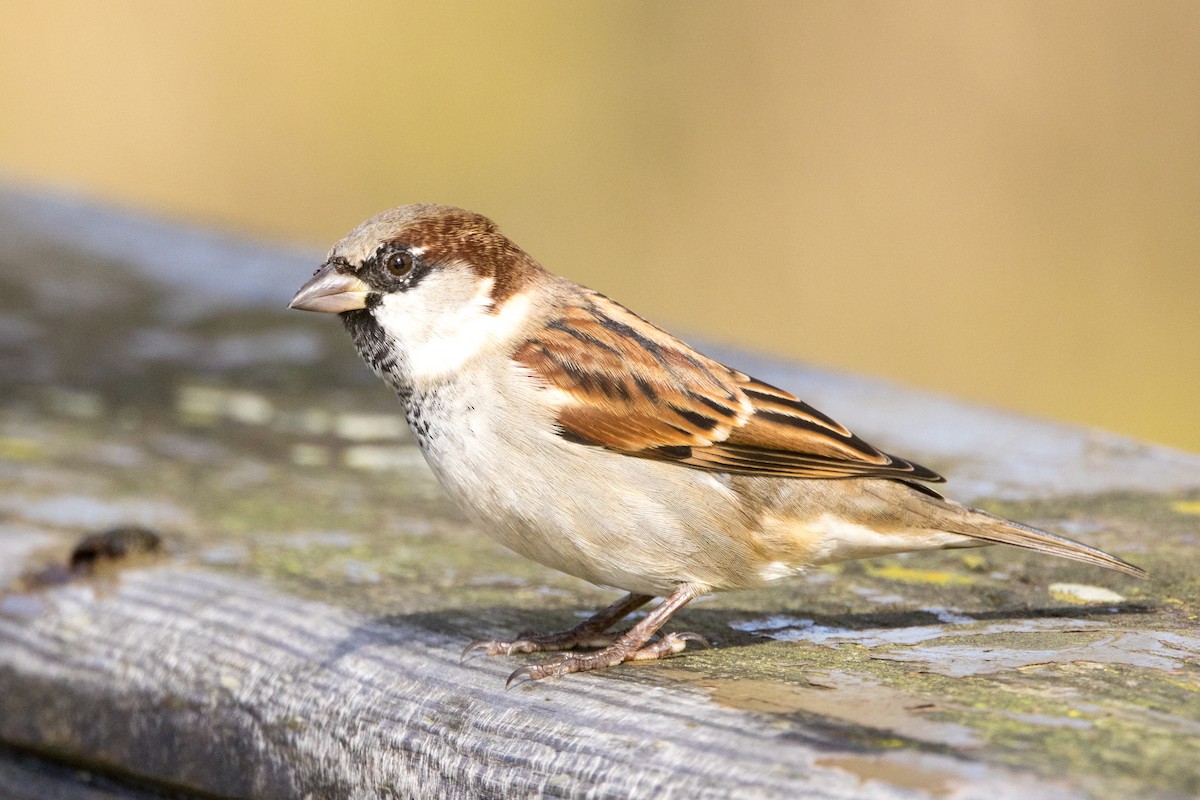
612	519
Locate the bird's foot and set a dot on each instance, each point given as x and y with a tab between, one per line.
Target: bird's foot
530	642
622	650
592	632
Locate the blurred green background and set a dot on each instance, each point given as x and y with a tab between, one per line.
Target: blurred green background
998	200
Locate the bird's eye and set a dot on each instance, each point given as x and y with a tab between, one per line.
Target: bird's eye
399	263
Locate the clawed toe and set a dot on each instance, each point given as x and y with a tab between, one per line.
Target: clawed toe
498	648
690	636
669	645
631	645
618	653
535	672
559	666
476	645
534	643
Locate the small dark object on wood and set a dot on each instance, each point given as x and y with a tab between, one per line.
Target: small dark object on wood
114	543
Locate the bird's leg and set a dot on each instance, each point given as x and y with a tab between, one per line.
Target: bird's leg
589	633
630	646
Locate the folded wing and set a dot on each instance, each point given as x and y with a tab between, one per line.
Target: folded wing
632	388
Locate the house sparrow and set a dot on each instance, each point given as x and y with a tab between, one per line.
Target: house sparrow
587	439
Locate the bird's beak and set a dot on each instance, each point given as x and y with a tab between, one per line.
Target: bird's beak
331	291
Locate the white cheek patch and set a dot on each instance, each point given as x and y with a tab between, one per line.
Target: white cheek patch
446	321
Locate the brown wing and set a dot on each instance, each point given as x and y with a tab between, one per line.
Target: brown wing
630	387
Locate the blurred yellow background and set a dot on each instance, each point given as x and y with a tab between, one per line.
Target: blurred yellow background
998	200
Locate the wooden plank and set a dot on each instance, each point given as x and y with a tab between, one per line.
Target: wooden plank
227	687
300	634
354	706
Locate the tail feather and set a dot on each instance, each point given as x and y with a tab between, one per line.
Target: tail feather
990	528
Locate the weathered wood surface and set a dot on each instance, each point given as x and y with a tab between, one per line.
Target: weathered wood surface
301	634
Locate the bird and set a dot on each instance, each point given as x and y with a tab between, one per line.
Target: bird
591	441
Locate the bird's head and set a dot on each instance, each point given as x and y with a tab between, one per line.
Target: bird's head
423	289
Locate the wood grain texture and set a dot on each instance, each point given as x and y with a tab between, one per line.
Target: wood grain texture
301	635
216	684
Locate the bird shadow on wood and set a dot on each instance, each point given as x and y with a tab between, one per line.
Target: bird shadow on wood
728	627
